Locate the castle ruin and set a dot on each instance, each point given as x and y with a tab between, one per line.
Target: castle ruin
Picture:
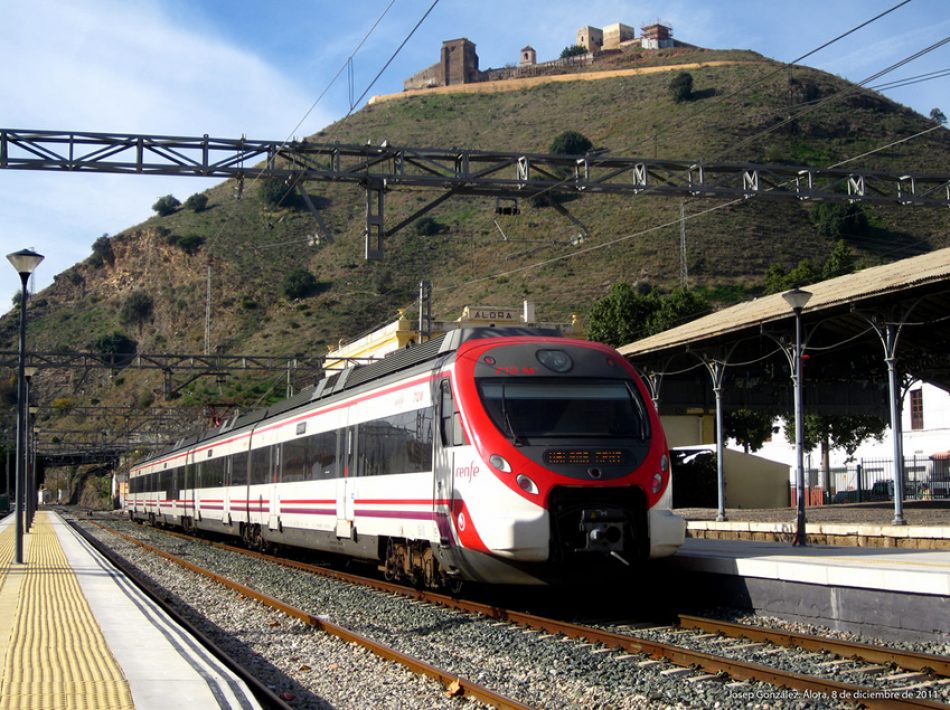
458	62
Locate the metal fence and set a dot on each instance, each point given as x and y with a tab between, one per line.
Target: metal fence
873	480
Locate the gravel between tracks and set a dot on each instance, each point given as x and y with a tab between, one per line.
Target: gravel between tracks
320	671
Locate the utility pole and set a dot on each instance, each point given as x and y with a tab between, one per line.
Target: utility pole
684	273
208	312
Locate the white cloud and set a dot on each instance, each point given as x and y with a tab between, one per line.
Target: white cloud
107	66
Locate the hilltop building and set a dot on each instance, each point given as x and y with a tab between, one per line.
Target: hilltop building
458	62
402	333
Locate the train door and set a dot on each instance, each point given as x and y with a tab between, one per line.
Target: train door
443	462
273	520
190	481
345	487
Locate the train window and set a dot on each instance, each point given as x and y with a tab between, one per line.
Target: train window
401	443
296	460
265	462
211	473
450	421
310	458
239	469
564	408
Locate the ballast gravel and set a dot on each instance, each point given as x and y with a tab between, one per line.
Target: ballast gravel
312	669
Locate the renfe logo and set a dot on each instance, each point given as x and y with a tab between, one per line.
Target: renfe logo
467	472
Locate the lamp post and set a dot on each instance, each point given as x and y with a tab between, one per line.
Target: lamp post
797	298
25	262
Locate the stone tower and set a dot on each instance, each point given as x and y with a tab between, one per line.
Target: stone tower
459	62
528	57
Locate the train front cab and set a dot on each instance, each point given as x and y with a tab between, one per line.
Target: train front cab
575	465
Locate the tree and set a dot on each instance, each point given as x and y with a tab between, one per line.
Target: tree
137	309
837	220
277	192
190	243
937	116
681	87
117	348
574	50
748	427
622	315
166	205
102	251
299	284
677	307
839	262
570	143
197	202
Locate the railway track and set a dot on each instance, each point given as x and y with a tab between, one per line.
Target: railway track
702	650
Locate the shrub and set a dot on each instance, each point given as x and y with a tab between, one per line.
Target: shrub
102	251
166	205
427	227
197	202
276	192
190	244
681	87
137	309
116	349
570	143
299	284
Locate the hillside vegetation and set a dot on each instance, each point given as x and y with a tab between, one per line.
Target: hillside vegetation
252	246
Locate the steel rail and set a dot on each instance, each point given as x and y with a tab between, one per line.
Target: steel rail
939	665
454	684
741	670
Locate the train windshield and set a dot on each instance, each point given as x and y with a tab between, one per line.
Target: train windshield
564	408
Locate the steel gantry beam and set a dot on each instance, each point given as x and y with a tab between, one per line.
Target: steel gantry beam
191	366
379	168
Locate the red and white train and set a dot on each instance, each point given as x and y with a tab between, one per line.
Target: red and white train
508	456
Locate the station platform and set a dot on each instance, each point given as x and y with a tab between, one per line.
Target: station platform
76	633
897	593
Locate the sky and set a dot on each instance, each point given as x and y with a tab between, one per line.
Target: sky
276	69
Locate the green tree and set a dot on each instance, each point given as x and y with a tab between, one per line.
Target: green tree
679	306
190	243
839	220
839	262
116	348
749	427
622	315
102	251
137	309
277	192
570	143
681	87
937	116
166	205
573	50
197	202
299	283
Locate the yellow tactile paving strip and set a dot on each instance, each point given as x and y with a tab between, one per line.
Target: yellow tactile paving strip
53	654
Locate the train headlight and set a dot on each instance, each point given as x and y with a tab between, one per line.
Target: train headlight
556	360
500	463
657	483
526	484
664	463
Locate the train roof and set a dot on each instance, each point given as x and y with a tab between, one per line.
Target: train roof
343	381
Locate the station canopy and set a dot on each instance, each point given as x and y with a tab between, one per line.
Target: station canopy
846	325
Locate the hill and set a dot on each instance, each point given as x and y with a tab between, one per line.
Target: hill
740	112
